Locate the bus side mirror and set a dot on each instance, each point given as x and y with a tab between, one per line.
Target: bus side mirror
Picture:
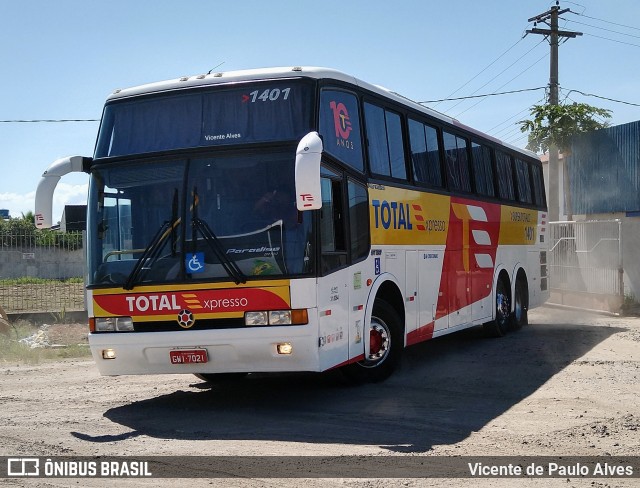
48	183
308	189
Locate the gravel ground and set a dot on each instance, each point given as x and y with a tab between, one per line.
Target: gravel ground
566	385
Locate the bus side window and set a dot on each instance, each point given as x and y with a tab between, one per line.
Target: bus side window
524	181
385	143
504	167
457	162
425	154
538	186
340	127
483	169
358	220
332	237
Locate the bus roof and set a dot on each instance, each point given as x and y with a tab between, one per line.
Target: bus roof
228	77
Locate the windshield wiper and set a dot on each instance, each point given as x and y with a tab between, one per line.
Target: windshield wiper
199	225
152	251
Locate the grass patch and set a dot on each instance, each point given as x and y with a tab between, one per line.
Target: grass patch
13	351
27	295
30	280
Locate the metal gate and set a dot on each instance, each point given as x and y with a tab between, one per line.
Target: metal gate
585	264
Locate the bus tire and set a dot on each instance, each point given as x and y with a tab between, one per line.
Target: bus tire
520	316
385	343
500	326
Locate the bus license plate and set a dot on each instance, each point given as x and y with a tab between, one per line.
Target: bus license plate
188	356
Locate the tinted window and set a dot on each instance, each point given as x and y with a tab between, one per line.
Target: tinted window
340	127
273	111
538	185
385	142
524	183
396	145
505	176
358	220
483	169
425	154
377	140
332	241
457	164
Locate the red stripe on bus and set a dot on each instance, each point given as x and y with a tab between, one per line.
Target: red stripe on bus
421	334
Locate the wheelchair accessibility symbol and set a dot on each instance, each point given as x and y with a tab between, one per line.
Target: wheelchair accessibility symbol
195	262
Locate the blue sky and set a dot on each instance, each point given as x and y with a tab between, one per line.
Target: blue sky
60	60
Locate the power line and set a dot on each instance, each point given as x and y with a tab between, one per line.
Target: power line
505	122
612	40
505	84
606	21
599	117
516	140
38	121
483	70
603	98
513	131
485	95
604	29
501	72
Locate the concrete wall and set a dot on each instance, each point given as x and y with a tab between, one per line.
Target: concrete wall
49	263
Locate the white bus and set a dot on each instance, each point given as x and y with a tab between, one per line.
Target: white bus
297	219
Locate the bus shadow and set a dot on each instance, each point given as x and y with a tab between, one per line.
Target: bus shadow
445	390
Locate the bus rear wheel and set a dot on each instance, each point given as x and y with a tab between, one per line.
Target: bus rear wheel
520	304
500	326
385	346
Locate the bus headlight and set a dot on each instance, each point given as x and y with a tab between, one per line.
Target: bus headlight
276	317
255	318
280	317
113	324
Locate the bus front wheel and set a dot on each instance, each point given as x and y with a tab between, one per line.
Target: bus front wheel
385	346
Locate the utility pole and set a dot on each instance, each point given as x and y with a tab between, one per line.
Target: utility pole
550	18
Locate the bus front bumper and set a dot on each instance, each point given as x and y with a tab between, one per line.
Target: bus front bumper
253	349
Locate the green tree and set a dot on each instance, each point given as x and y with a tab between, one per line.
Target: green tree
28	217
21	231
557	124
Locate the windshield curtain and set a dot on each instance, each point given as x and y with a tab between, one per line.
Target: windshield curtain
226	218
257	112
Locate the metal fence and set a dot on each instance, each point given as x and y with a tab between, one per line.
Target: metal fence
41	271
585	267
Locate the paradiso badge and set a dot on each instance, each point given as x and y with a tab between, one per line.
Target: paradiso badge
185	319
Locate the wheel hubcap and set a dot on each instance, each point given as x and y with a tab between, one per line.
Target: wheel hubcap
502	306
378	342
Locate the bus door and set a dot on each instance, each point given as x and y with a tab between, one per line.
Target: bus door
342	289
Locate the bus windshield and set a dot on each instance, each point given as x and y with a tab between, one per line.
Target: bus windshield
251	112
220	218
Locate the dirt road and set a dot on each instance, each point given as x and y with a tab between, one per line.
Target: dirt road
568	384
